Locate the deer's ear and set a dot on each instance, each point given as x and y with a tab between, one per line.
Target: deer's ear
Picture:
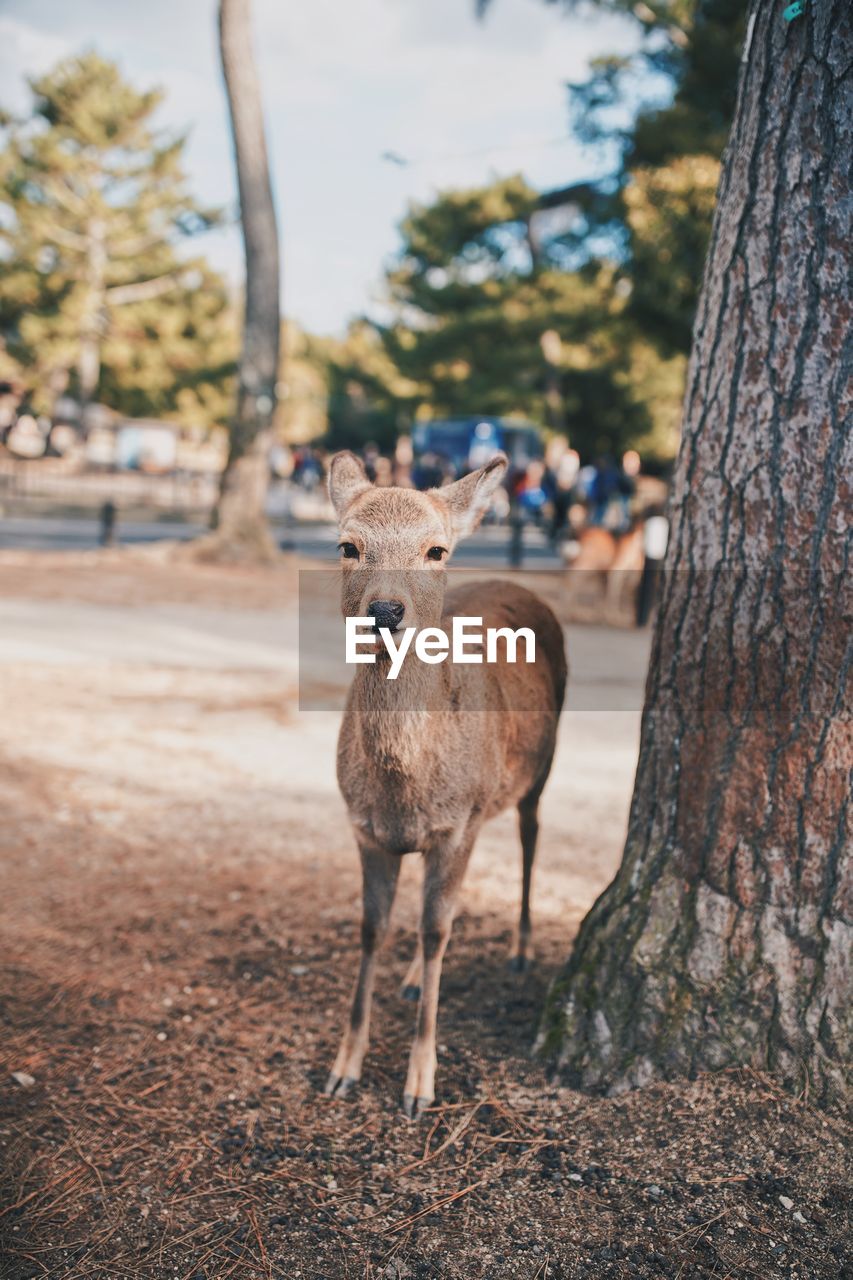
469	499
347	479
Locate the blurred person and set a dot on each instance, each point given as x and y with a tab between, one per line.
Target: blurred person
627	488
555	450
9	400
564	485
282	461
655	540
403	459
631	463
369	456
586	478
307	471
311	475
383	473
27	434
107	536
449	470
532	493
484	446
427	472
602	491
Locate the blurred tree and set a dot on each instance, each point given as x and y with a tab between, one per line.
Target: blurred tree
369	399
474	292
302	410
240	520
174	358
656	205
668	212
663	112
94	295
483	274
724	939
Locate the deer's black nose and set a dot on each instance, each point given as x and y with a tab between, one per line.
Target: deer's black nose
387	613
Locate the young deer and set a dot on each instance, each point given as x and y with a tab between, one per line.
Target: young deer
426	759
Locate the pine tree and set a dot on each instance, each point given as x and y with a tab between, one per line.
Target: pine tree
484	289
94	293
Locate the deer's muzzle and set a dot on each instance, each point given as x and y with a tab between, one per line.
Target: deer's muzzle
387	613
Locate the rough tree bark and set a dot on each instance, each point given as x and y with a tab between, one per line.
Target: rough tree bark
725	937
240	523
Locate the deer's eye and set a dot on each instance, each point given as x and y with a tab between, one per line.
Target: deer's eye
348	550
436	553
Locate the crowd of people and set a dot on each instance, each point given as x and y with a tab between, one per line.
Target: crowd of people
556	492
562	494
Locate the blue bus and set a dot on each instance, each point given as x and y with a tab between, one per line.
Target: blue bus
467	443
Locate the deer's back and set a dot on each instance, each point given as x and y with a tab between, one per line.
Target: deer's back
597	549
518	732
528	687
629	553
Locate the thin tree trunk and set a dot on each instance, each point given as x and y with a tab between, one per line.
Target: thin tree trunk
241	524
726	936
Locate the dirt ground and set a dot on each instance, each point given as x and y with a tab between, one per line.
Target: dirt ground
179	905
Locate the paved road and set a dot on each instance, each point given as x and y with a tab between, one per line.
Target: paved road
608	664
67	533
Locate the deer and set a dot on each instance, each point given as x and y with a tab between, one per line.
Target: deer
611	562
425	760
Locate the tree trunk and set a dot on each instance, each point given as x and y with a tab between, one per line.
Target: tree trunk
241	526
725	937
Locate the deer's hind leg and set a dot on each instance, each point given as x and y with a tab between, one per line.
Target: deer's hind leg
521	955
410	987
379	875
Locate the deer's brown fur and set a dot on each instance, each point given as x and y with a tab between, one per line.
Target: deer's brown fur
608	563
425	760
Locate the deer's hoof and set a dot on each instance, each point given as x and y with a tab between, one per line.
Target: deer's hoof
339	1086
411	992
415	1107
519	964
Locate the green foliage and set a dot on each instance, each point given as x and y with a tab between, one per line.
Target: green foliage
659	202
473	291
301	413
94	293
471	302
668	211
174	357
369	399
466	270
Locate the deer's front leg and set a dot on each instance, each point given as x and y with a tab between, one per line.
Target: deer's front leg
379	875
442	878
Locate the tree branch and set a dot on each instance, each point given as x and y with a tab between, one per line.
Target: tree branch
141	292
71	239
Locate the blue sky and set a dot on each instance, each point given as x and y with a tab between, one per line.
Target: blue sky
343	81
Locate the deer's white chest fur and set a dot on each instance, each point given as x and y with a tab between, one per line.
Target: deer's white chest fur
406	784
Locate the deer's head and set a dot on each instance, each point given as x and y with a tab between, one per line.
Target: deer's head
394	543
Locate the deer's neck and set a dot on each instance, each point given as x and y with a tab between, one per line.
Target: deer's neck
397	717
